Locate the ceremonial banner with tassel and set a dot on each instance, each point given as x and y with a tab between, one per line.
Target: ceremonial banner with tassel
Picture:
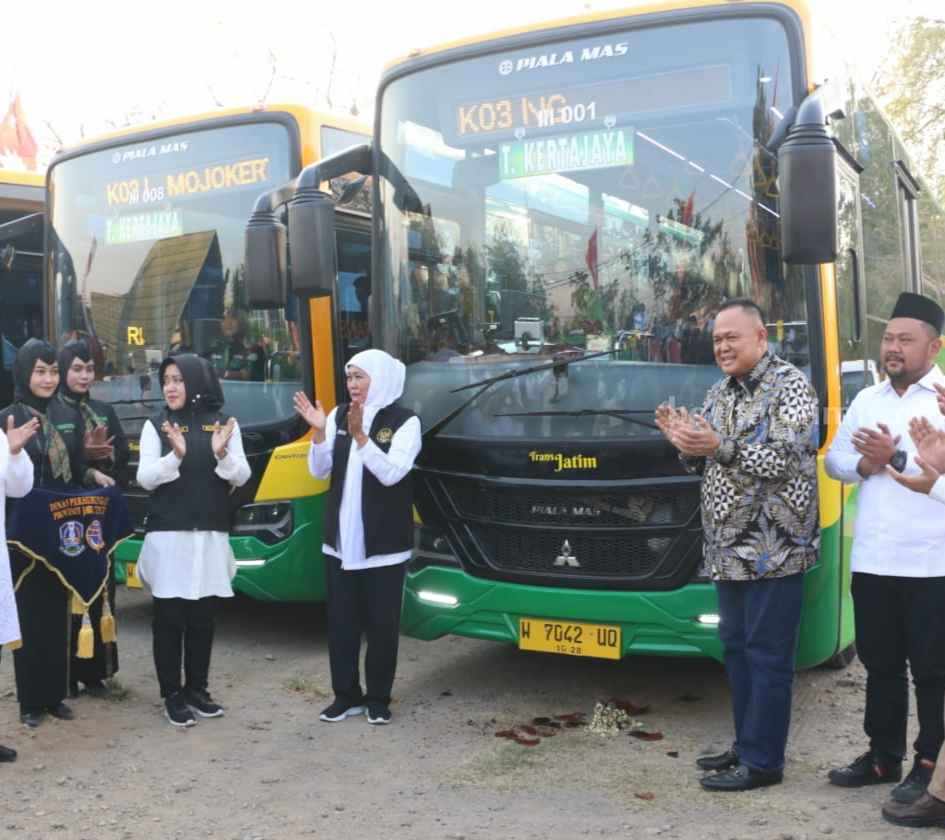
73	534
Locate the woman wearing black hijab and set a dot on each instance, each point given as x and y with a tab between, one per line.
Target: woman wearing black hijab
106	449
43	603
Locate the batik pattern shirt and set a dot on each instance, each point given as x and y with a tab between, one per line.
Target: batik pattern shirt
759	491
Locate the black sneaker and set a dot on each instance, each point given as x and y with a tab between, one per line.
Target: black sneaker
177	711
339	710
378	714
96	688
32	718
61	711
913	785
201	703
867	769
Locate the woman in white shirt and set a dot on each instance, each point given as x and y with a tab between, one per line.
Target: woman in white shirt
16	480
190	458
368	447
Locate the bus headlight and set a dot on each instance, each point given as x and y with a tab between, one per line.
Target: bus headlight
431	548
270	522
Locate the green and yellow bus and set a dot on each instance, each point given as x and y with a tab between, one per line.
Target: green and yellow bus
145	256
22	204
557	213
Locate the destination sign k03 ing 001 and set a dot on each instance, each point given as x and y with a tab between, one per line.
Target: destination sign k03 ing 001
569	153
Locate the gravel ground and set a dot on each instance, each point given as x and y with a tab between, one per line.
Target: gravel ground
270	770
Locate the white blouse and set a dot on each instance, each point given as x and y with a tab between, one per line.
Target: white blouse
187	564
388	468
16	475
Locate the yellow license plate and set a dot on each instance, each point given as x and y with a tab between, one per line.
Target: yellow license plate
573	638
132	579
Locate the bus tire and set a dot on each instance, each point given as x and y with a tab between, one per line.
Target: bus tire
842	658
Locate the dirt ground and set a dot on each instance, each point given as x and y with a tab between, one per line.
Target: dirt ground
269	770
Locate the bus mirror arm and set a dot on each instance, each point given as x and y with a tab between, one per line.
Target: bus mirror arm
355	159
779	135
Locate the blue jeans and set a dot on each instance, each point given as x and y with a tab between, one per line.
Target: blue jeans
758	629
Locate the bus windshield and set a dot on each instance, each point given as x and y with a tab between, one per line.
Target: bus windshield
146	252
600	195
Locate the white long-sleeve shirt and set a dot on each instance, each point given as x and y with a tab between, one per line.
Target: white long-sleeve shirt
897	532
388	468
16	474
187	564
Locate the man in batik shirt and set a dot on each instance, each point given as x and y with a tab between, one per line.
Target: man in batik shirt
755	443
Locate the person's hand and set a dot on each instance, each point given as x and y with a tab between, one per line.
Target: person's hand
102	480
929	441
940	389
876	447
176	439
667	418
98	446
921	483
221	437
695	437
356	422
19	436
314	415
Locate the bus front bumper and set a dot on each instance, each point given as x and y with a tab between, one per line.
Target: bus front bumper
440	600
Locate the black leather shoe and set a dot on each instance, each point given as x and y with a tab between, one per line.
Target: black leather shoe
32	719
6	754
61	711
867	769
741	777
722	761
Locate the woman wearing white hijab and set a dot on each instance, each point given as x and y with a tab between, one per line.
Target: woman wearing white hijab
368	447
16	480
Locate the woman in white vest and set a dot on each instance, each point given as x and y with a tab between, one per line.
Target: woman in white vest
16	480
368	446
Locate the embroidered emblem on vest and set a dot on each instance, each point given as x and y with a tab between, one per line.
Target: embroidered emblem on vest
70	538
384	435
94	537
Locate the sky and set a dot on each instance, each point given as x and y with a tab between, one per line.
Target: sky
85	68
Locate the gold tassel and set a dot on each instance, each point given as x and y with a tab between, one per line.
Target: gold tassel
86	646
78	608
108	625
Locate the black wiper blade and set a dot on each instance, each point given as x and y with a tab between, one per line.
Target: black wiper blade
485	384
619	413
514	374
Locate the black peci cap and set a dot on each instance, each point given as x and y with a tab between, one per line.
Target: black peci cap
921	308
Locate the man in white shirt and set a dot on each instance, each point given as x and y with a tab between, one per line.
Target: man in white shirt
898	557
929	809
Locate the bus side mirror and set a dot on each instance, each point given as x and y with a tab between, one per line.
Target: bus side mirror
265	259
807	161
312	238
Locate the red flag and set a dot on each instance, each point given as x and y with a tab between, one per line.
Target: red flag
686	211
591	256
16	137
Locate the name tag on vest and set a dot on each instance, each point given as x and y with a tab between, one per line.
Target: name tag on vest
210	428
340	432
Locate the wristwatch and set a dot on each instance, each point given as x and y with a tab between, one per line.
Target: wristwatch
898	460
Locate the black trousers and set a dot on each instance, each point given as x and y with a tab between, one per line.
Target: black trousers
183	635
900	619
42	663
364	602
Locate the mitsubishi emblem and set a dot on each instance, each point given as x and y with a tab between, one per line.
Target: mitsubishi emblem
566	558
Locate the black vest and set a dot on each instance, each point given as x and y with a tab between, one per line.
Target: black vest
386	512
198	500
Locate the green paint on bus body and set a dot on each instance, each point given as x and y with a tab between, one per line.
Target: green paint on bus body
652	623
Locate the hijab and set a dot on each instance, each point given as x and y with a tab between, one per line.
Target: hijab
201	384
72	350
387	381
26	357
